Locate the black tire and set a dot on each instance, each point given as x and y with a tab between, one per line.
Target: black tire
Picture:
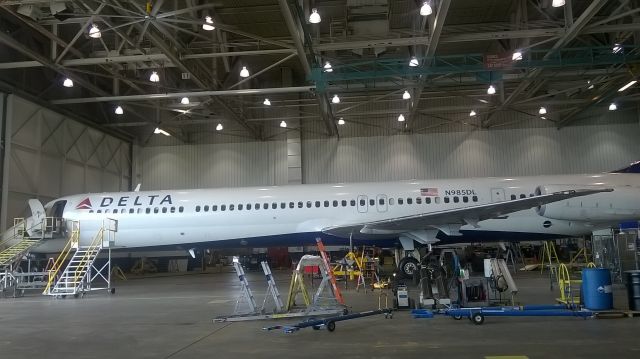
112	291
477	318
407	267
76	295
331	326
457	317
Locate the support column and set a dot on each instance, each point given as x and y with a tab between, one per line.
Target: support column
294	144
6	116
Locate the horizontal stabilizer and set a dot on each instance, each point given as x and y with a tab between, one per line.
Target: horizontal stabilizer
632	168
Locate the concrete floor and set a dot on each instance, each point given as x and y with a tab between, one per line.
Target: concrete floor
170	317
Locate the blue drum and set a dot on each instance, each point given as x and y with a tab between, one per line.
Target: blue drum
596	288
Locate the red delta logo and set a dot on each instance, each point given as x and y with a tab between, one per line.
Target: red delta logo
85	204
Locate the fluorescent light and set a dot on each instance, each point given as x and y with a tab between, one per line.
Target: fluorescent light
219	127
283	124
613	107
414	61
401	118
327	67
483	101
616	48
627	86
517	56
406	95
244	72
472	113
314	18
266	102
67	82
425	9
119	110
341	121
94	32
543	118
335	99
542	110
184	101
154	77
557	3
491	90
208	24
161	131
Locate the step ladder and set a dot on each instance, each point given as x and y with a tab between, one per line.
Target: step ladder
368	268
246	295
18	243
80	270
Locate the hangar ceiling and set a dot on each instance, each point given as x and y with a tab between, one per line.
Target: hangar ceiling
574	60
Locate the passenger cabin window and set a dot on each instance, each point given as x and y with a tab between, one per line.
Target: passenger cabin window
248	206
156	210
446	200
381	201
274	205
326	203
418	200
317	204
180	209
115	210
99	211
465	199
309	204
363	203
197	208
240	207
206	208
106	210
474	198
427	200
147	210
372	202
523	196
409	200
391	201
456	199
214	208
400	201
343	203
265	205
283	205
335	203
352	203
223	207
437	200
231	207
164	209
299	204
513	196
292	205
131	210
257	206
172	209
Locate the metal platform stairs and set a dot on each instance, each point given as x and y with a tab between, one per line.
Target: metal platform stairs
80	272
18	243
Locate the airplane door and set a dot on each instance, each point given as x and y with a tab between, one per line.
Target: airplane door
381	203
497	195
363	205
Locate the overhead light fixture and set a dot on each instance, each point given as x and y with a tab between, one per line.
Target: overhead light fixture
154	77
219	127
491	90
266	102
335	99
67	82
616	48
184	101
414	61
283	124
483	100
327	67
543	118
94	32
341	121
119	110
557	3
160	131
406	95
627	86
472	113
517	56
208	24
401	118
542	110
425	9
613	107
244	72
314	18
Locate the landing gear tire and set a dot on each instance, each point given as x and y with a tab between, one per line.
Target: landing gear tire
408	266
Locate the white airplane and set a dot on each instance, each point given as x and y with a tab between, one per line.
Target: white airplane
407	212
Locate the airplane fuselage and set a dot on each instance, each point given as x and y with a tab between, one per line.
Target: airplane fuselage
265	216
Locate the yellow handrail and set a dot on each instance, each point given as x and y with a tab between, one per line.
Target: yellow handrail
53	272
84	261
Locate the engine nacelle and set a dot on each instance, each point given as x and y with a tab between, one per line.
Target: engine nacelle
621	204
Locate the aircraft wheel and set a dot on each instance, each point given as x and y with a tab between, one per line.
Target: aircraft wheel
408	266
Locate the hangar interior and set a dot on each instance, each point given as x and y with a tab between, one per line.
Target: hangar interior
103	96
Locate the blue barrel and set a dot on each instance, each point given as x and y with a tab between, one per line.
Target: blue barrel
596	288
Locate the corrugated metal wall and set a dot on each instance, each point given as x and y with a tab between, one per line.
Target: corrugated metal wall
51	155
213	165
515	152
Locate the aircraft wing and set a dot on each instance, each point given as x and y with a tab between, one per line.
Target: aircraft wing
460	216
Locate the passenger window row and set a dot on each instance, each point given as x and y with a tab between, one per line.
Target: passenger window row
522	195
335	203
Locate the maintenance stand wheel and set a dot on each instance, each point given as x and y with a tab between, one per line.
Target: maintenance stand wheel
331	326
112	291
457	317
477	318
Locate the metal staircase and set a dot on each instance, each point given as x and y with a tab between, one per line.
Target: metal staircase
80	270
18	243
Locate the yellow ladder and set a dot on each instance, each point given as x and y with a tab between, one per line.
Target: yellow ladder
549	256
72	243
17	244
296	287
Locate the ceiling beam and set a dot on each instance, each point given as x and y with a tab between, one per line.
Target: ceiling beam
435	29
297	33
